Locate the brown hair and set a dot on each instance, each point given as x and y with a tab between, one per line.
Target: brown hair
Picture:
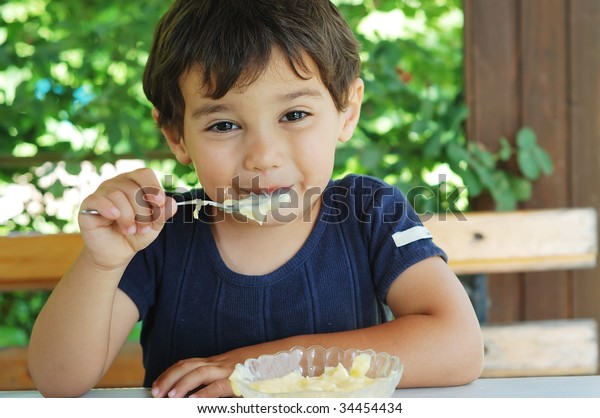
230	42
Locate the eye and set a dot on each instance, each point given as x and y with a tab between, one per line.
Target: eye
295	115
224	126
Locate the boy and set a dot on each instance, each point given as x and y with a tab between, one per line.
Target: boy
255	95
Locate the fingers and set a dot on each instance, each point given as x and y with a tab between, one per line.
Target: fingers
218	389
133	202
187	375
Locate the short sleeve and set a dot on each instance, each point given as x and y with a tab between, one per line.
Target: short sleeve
395	236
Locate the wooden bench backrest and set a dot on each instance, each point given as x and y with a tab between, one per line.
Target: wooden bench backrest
520	241
36	261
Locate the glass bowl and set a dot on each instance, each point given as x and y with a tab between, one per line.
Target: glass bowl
385	369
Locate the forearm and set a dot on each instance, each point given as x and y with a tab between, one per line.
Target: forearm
71	337
434	351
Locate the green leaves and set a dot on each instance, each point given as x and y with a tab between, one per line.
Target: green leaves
18	311
12	336
482	170
533	160
413	114
81	65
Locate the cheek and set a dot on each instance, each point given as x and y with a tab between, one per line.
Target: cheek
318	158
213	169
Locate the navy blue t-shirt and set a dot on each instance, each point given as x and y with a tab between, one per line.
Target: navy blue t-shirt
193	305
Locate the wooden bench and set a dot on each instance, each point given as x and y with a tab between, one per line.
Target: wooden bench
526	241
482	242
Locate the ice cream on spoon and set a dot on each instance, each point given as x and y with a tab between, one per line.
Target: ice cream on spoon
255	207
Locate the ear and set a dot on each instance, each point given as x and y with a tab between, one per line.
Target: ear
351	114
174	140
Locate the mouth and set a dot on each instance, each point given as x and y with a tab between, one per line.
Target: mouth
274	191
258	203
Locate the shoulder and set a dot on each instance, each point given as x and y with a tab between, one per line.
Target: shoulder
360	184
367	195
366	189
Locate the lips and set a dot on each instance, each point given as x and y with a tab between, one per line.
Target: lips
274	190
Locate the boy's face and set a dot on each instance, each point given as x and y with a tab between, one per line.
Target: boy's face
277	134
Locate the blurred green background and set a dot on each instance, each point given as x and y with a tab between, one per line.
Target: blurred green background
72	112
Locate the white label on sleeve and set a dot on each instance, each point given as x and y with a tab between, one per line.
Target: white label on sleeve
402	238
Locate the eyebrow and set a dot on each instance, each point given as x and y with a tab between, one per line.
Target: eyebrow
209	108
300	93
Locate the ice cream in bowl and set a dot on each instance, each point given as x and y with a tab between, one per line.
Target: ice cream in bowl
318	372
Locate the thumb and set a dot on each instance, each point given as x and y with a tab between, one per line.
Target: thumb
162	213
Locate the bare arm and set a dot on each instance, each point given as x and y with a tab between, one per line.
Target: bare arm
79	331
435	334
87	319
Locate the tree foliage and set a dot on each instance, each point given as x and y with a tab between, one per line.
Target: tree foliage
412	130
70	91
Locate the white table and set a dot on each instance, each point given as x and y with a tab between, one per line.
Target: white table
523	387
517	387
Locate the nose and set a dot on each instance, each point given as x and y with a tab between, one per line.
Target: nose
264	151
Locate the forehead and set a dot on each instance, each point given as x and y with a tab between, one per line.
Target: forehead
278	70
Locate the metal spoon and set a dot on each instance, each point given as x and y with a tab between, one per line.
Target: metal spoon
188	202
